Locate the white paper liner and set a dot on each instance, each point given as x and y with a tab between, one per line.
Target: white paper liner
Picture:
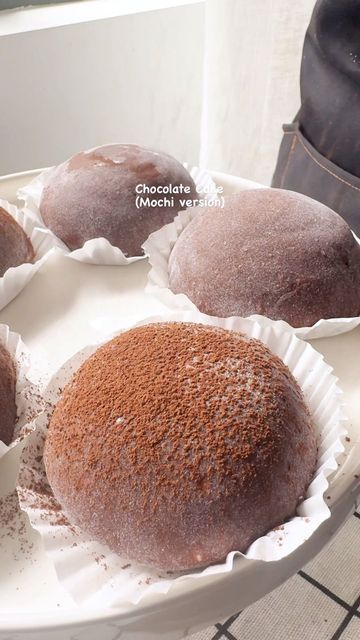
96	577
16	278
99	250
158	248
28	399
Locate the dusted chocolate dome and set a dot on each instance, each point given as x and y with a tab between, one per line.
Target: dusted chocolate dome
176	443
270	252
7	396
93	195
15	246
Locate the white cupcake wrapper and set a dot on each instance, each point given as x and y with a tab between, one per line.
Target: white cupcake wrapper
158	248
99	250
16	278
96	577
28	399
321	329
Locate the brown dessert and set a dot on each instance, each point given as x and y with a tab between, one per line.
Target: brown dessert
7	396
94	195
176	443
270	252
15	246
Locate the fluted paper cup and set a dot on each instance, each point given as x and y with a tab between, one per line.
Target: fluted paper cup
97	577
28	398
158	248
16	278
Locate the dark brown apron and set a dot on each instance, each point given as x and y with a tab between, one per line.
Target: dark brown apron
300	167
320	152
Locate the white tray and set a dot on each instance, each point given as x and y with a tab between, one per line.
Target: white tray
67	305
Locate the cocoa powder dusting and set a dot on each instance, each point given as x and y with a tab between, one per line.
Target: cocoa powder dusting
175	443
14	526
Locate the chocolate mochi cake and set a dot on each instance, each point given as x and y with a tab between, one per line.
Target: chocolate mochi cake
15	246
7	396
176	443
270	252
94	195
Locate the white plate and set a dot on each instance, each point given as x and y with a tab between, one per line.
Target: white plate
66	306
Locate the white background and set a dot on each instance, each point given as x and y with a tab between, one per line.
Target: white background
209	82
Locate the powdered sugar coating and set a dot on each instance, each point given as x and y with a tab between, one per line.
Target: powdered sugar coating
270	252
15	246
92	195
177	443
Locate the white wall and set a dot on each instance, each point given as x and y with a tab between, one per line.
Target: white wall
134	78
252	81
